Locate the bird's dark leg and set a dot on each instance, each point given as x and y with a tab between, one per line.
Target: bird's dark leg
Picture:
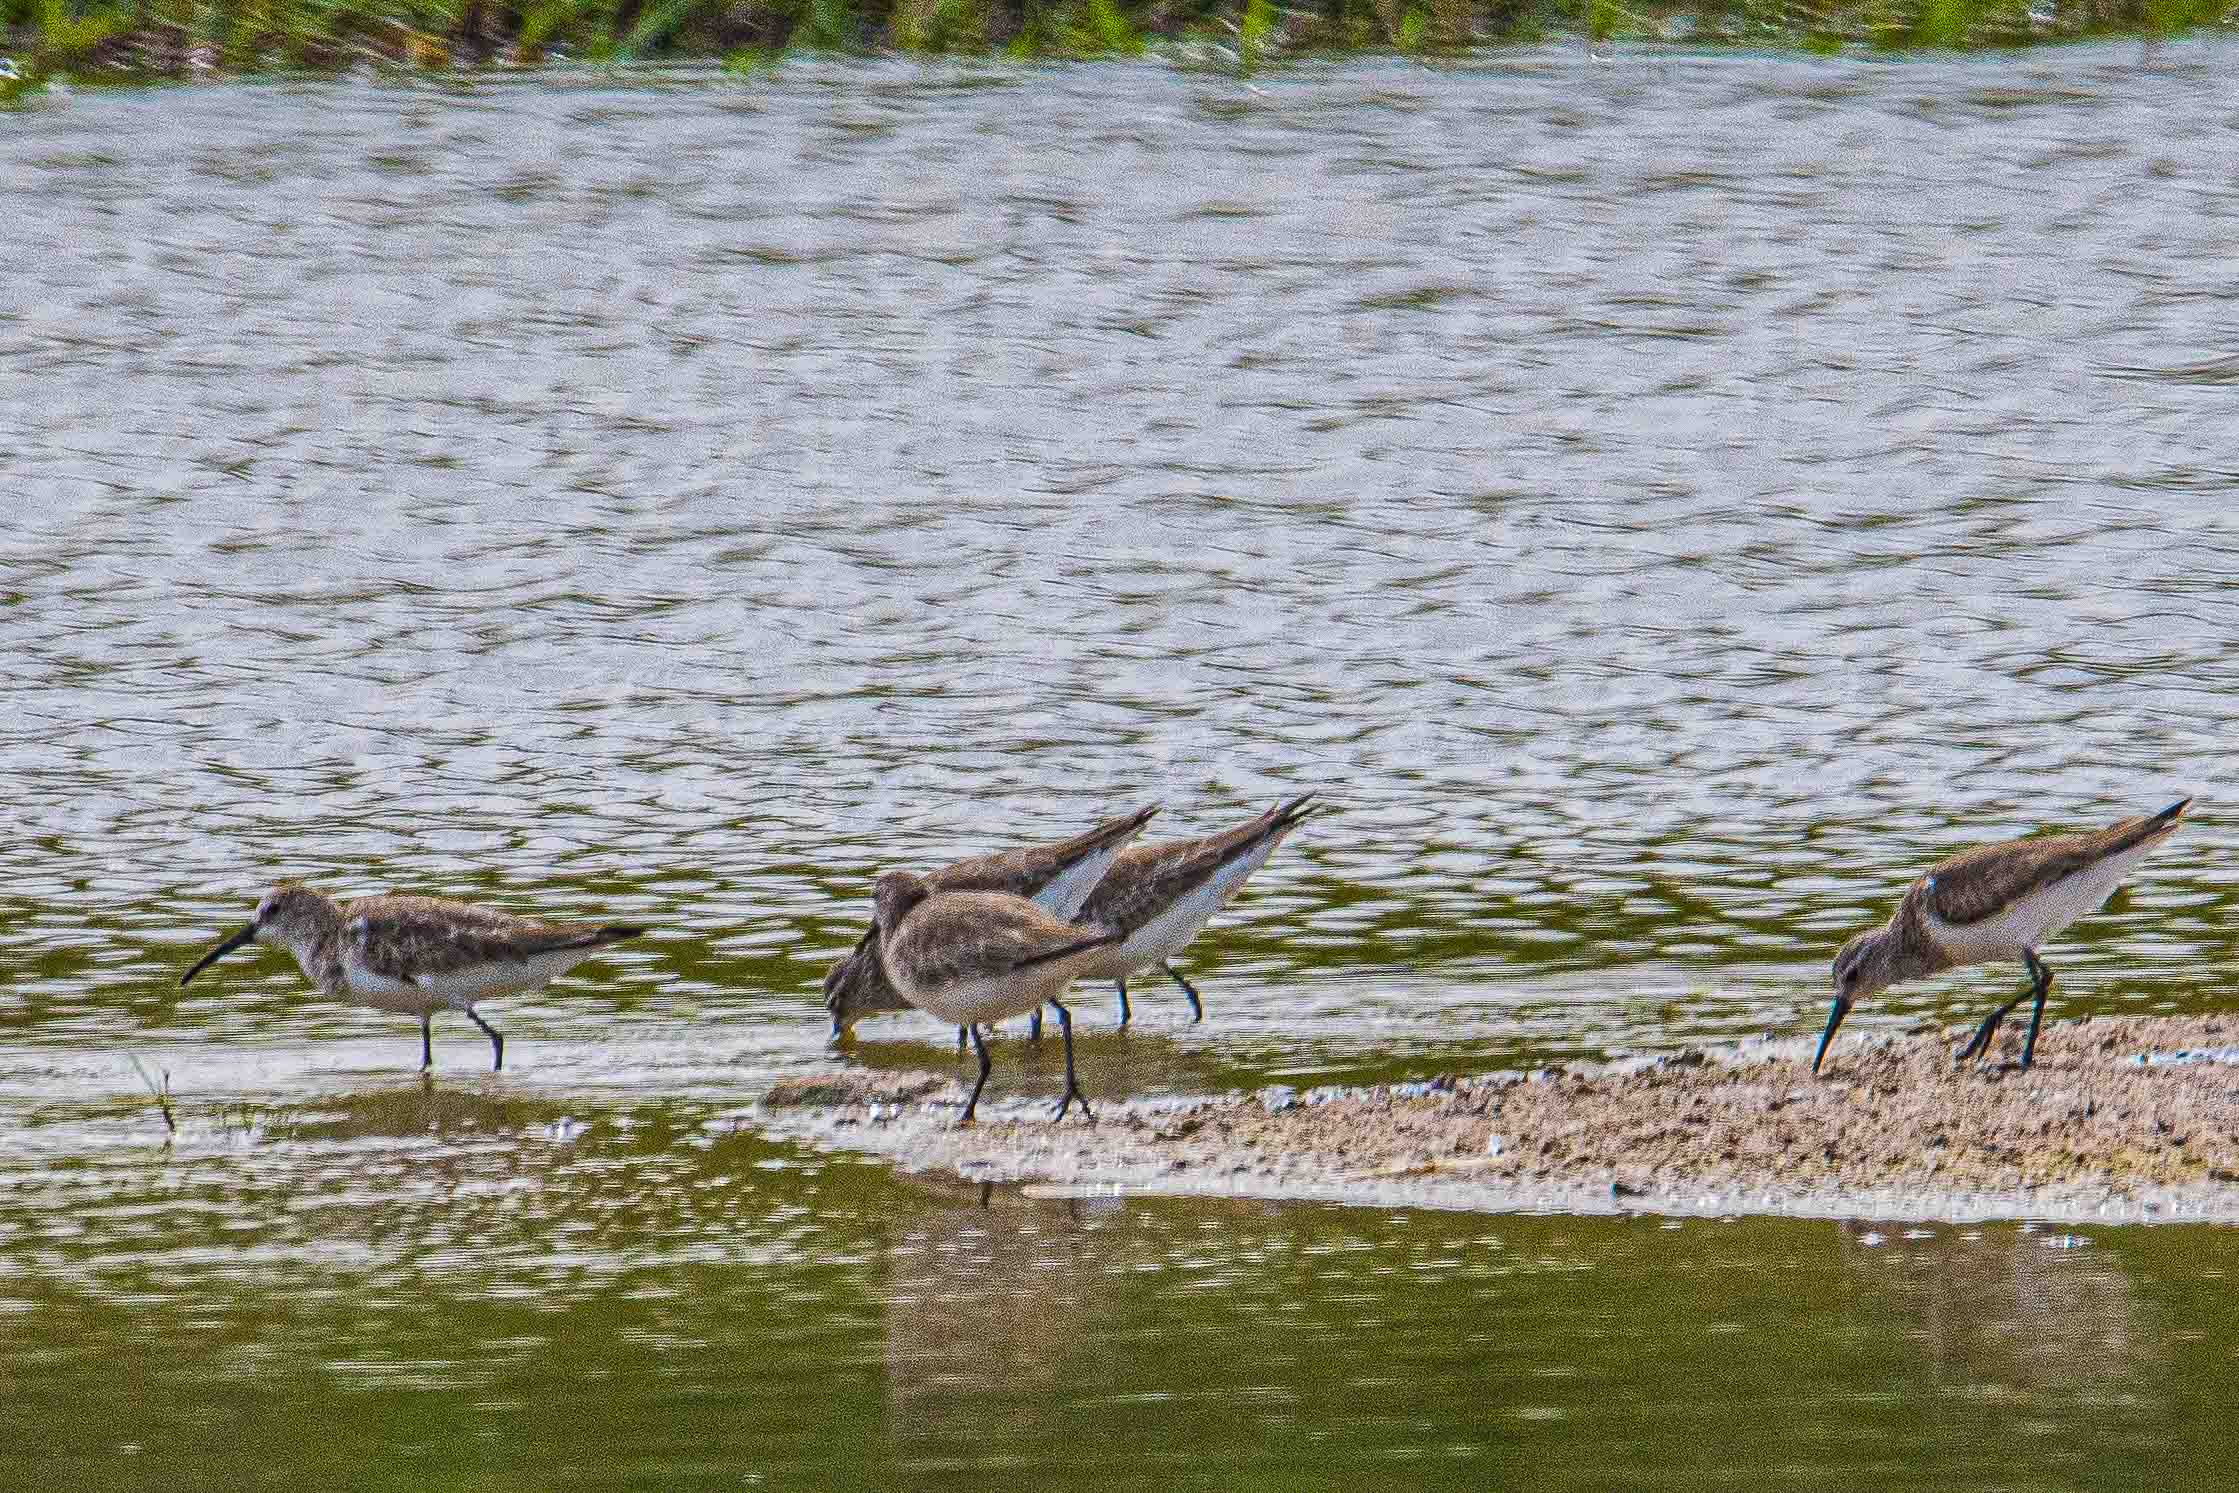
2040	985
1126	1015
960	1039
979	1045
1196	1006
1072	1087
427	1042
1034	1025
1979	1044
497	1043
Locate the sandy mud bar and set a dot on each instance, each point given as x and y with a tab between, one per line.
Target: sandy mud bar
2125	1118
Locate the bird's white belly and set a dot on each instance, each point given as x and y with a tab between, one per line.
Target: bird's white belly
1063	897
2036	918
384	993
1171	931
455	989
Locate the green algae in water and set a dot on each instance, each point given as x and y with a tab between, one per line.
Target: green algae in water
646	1300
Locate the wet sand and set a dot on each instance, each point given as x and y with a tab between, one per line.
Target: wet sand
2096	1131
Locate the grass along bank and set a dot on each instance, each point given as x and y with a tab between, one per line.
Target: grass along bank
92	40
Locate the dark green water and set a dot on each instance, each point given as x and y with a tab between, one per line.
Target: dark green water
1662	504
398	1290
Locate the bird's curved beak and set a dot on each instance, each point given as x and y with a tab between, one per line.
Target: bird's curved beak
246	934
1835	1015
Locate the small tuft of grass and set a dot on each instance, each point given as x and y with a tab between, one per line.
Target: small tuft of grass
1080	28
825	26
1255	34
940	26
1105	28
161	1092
2168	17
68	41
1942	24
656	24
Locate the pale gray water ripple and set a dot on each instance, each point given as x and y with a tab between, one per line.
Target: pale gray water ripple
1702	490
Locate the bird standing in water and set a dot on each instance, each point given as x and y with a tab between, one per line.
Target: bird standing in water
1056	877
1162	896
974	957
417	955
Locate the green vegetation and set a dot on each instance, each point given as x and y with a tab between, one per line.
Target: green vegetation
126	39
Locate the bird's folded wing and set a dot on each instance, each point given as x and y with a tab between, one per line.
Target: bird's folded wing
984	949
402	938
1149	880
1983	883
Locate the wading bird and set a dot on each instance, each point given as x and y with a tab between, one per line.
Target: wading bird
1994	902
973	957
1057	878
1162	896
416	955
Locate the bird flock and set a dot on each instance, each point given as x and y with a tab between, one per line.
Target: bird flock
1004	935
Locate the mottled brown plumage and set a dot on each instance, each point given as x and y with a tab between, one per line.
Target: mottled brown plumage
953	939
425	938
1024	872
973	957
1985	881
1144	884
1994	902
416	955
1060	876
1162	896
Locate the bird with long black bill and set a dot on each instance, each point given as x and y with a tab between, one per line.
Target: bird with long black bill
417	955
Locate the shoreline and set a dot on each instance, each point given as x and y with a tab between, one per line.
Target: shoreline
2092	1134
86	42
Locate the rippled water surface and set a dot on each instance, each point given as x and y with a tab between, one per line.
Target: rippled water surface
1661	501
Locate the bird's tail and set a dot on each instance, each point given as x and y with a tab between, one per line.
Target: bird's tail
2165	821
1289	816
1111	831
2146	828
599	938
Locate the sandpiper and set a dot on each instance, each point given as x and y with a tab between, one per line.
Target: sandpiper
416	955
1162	896
972	957
1994	902
1057	878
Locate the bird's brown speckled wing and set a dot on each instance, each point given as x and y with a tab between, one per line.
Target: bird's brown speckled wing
1148	879
1983	882
404	938
858	981
956	936
1025	871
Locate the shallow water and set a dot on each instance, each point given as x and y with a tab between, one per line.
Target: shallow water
1662	502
